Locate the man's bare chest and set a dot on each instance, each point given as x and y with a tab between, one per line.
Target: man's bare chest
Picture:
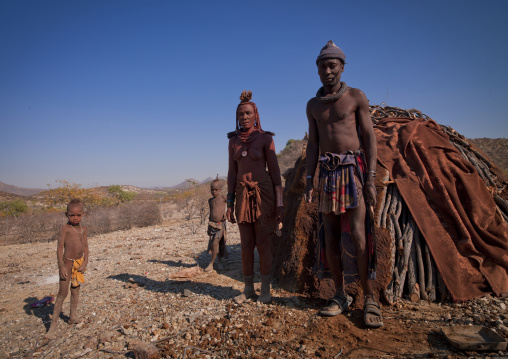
329	114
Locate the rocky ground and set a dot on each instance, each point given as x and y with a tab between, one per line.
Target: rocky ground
131	302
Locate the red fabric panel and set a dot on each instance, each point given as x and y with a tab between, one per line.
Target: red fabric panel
450	203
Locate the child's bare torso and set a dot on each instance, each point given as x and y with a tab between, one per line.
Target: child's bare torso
73	243
217	208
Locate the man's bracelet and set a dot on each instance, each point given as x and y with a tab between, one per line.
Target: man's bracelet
371	173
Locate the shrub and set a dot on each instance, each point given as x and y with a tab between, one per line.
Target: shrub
13	208
146	214
67	191
121	195
98	221
123	217
45	226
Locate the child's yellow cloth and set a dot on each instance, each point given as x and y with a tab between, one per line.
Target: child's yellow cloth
77	277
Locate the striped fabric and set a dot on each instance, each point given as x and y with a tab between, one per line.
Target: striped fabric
337	187
340	169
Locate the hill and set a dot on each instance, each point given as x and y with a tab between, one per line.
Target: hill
5	196
140	190
189	182
288	156
7	188
496	149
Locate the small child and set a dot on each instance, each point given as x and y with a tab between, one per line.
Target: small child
72	257
217	225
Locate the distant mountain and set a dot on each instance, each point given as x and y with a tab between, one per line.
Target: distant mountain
189	182
20	191
209	179
141	190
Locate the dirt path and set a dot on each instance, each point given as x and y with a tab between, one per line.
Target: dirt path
127	295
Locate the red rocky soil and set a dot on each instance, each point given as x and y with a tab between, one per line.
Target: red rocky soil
129	296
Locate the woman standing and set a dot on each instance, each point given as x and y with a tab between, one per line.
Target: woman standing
258	194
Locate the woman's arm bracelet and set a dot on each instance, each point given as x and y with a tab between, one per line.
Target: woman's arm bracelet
371	173
279	196
230	199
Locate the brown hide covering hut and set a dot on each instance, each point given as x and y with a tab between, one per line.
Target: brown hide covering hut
440	217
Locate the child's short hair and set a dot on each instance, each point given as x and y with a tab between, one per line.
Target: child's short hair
74	202
216	180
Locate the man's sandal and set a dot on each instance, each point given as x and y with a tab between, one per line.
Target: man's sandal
372	309
336	305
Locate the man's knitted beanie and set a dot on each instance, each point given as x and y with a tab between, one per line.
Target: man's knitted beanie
331	51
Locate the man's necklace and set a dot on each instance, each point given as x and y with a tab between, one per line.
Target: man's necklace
77	230
328	99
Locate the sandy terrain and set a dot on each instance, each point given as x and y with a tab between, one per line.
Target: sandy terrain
127	295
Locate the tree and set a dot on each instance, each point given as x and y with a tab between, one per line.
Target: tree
196	201
121	195
187	205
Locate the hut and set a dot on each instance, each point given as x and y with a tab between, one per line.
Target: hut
440	218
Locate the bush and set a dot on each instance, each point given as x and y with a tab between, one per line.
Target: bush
13	208
31	227
98	221
121	195
45	226
109	219
124	215
67	191
147	214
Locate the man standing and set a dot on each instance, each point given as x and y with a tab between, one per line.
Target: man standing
341	138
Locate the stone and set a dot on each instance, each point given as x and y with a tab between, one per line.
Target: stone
108	336
194	316
143	350
127	330
91	343
502	329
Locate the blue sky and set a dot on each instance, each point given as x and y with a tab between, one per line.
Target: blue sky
144	92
